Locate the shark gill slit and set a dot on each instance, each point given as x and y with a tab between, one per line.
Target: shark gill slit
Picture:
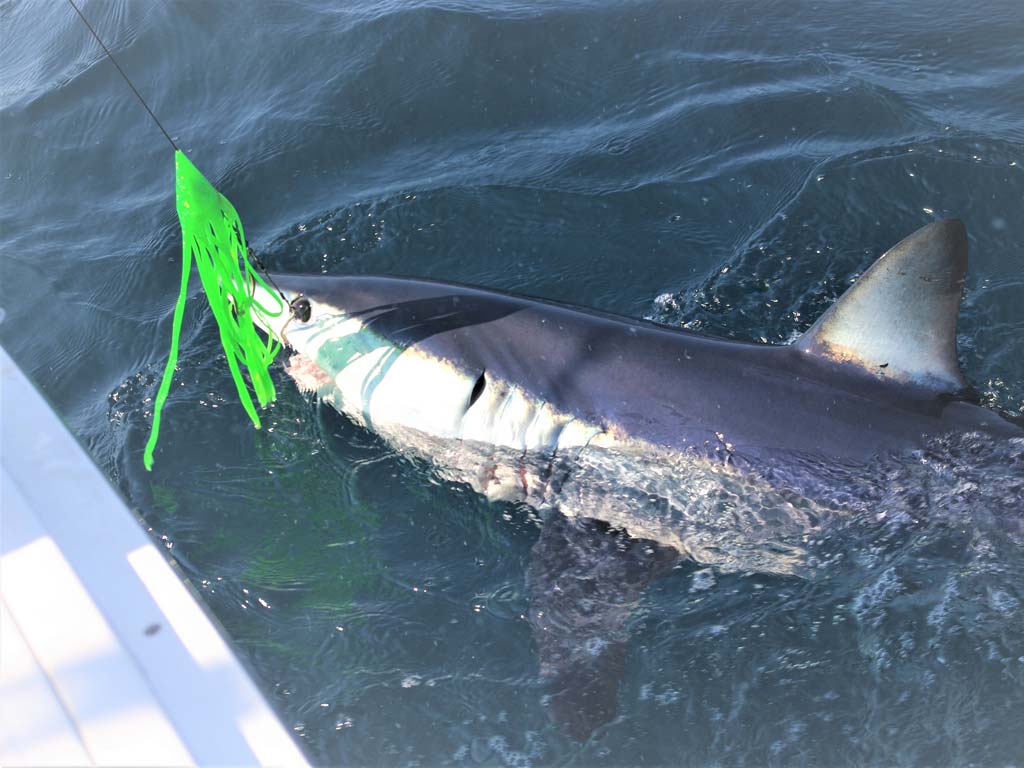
478	389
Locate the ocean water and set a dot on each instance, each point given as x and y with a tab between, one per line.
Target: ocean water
726	167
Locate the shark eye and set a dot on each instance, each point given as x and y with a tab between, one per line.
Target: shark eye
301	309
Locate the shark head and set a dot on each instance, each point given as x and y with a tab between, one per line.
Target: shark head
431	357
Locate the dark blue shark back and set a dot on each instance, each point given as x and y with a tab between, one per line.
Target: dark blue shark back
661	385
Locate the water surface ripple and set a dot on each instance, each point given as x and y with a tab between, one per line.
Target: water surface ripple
726	167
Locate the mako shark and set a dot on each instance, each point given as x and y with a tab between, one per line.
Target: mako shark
640	444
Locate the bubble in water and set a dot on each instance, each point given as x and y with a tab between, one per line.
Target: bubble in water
703	580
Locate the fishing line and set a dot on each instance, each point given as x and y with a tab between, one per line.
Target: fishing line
126	79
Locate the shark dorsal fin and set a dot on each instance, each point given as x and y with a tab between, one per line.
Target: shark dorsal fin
898	321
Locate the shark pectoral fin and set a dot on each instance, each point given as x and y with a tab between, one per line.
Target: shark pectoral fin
585	582
898	321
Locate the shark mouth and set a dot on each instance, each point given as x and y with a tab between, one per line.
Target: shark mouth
308	376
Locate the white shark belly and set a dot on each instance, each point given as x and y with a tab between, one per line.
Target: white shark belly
385	387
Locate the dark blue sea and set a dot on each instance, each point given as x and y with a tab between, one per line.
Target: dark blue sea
728	167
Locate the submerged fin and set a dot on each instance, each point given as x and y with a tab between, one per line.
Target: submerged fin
586	582
898	321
